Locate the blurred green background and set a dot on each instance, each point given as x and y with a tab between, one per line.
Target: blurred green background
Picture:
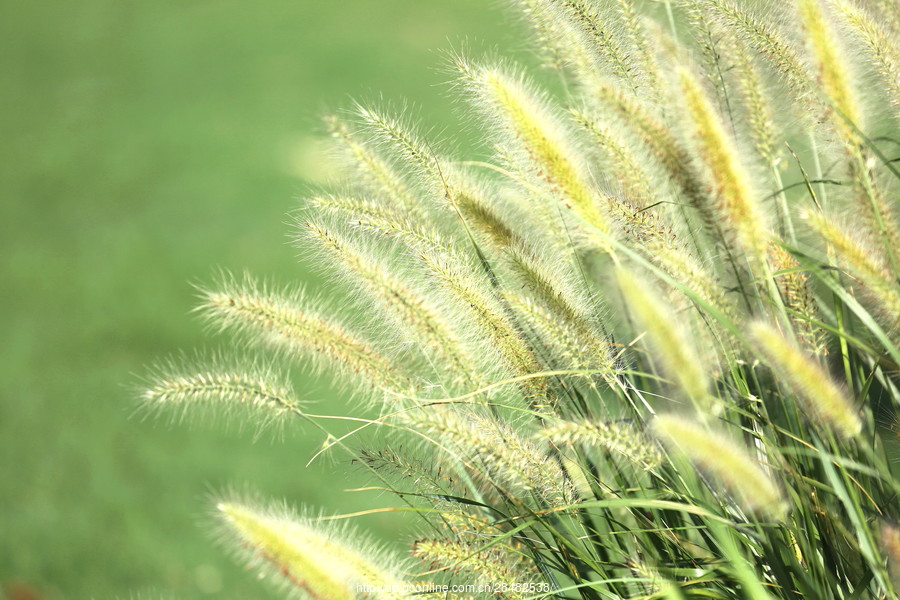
144	145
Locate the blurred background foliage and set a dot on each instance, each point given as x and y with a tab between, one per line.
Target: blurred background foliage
144	145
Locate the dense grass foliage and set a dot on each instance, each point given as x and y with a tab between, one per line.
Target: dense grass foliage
647	349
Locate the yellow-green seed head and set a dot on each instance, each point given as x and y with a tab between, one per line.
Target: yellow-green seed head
822	399
509	99
304	555
672	346
726	461
732	205
831	68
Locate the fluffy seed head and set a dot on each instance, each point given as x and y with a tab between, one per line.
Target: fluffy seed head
762	37
620	438
503	456
821	398
281	320
862	260
538	132
724	460
795	290
380	175
731	205
303	553
830	64
672	347
425	322
488	567
259	389
884	50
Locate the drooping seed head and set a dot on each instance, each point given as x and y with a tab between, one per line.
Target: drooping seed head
821	398
218	384
673	348
304	554
726	461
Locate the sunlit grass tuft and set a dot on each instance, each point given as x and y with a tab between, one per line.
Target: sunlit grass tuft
645	349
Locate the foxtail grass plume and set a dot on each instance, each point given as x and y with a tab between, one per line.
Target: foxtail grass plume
305	555
497	453
725	461
884	49
459	277
217	385
489	567
863	261
820	397
831	69
476	548
282	321
380	175
670	343
619	438
797	295
732	206
423	320
568	345
763	37
523	113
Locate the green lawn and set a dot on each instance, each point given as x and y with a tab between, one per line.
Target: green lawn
144	145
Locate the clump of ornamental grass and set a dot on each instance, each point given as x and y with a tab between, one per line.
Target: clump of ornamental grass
646	346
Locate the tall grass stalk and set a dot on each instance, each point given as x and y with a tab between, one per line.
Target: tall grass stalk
632	352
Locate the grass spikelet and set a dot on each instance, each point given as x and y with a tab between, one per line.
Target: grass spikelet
732	199
862	261
648	232
764	38
715	49
561	44
253	387
463	551
655	135
794	287
455	274
571	345
425	321
884	51
408	144
831	68
524	114
302	553
487	567
619	438
488	220
628	171
552	284
424	474
672	347
497	453
758	105
282	321
821	398
380	175
645	63
601	37
725	461
375	217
